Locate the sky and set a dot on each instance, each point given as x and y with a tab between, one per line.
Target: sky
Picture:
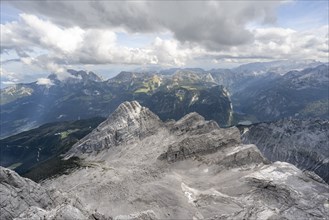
43	37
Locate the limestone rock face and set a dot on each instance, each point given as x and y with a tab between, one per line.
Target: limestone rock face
303	143
21	198
138	167
17	194
200	144
185	169
129	122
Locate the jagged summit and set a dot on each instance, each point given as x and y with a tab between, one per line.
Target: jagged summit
133	165
130	109
130	121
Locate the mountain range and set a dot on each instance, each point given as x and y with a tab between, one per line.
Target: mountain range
83	95
135	166
254	92
300	94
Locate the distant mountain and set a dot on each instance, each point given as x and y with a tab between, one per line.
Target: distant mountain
84	95
173	96
300	94
237	79
280	67
25	150
254	92
303	143
79	96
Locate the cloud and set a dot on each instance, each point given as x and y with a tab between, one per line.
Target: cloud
45	81
69	46
279	43
8	77
173	53
47	45
31	31
213	24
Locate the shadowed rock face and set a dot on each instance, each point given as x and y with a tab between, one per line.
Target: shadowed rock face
138	167
303	143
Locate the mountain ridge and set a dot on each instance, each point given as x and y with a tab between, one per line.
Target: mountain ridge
170	166
303	143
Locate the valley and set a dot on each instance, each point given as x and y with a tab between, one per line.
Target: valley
167	131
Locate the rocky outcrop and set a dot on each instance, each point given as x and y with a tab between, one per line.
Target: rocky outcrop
129	122
144	215
17	194
22	198
200	144
303	143
138	167
192	123
189	169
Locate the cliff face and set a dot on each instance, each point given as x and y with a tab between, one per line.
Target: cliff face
134	166
300	94
185	169
22	198
303	143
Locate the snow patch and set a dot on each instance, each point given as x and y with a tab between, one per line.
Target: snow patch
190	193
265	214
239	148
279	172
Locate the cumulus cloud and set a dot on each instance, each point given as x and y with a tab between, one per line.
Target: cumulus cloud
280	43
45	81
77	46
87	33
32	31
214	24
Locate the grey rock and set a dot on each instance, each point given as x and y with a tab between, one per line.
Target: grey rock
303	143
189	169
17	194
199	144
129	122
21	198
144	215
213	176
193	122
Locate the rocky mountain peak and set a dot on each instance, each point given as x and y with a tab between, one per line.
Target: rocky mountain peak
193	122
73	76
132	108
134	166
130	121
124	76
130	114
